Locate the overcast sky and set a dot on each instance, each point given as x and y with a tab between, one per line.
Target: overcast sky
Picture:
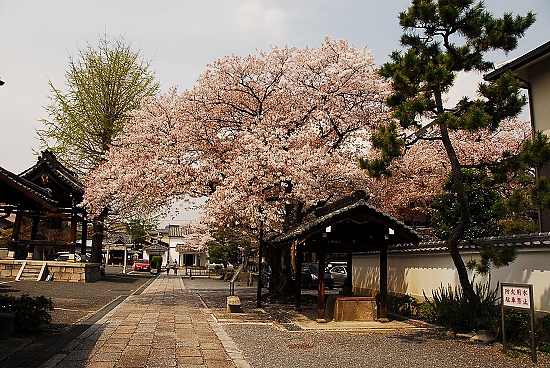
181	37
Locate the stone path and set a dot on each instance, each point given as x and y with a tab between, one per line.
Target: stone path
164	326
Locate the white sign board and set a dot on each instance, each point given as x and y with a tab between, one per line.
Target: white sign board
516	296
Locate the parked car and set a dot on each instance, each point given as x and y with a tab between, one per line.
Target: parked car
339	274
310	276
215	266
64	257
142	265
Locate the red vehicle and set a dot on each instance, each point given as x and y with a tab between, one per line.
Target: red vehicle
142	265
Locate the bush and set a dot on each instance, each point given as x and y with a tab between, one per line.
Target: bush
156	262
451	309
403	305
31	313
518	326
518	329
543	329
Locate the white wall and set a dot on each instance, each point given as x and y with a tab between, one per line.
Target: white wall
415	274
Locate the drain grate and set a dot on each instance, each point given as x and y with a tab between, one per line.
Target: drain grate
291	327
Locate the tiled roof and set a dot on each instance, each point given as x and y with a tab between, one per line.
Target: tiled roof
34	192
118	238
179	231
65	175
521	61
535	240
358	200
155	248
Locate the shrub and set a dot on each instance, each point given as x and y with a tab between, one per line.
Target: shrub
518	329
31	313
543	329
403	304
451	309
518	326
156	262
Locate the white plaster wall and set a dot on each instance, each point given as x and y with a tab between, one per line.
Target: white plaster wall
539	76
421	273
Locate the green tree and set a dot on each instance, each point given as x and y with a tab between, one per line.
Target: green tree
482	202
139	228
103	84
442	38
229	246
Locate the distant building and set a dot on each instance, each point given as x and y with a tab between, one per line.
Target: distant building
181	243
186	246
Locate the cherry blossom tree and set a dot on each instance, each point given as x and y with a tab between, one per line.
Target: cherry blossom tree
269	138
266	138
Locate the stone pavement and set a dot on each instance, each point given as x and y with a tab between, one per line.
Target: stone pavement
166	325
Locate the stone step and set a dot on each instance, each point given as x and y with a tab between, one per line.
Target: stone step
31	272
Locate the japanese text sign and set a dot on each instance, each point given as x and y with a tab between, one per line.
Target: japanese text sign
516	296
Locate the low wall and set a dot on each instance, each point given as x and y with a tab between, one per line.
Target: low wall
419	273
60	271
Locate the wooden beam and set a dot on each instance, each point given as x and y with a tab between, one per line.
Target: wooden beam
298	281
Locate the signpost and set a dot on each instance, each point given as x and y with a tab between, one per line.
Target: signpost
518	296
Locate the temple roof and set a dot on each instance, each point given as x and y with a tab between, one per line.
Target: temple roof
48	160
18	191
353	224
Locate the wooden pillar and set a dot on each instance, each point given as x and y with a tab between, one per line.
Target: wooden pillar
384	284
84	237
347	288
321	289
34	232
260	266
15	235
298	281
73	239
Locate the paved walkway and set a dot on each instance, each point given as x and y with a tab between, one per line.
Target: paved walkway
163	326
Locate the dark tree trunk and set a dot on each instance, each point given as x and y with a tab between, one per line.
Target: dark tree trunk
281	285
458	232
98	226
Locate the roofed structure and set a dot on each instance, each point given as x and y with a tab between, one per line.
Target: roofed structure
349	225
533	70
47	194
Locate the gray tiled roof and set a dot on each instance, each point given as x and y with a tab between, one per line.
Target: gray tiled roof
39	194
338	209
535	240
178	231
68	177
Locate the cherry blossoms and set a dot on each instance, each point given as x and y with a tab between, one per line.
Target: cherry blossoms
261	134
417	177
255	134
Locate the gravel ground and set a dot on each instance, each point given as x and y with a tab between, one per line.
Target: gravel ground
267	337
268	340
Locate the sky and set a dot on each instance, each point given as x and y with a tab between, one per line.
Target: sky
181	38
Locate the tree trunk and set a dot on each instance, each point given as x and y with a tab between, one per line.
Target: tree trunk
458	231
98	227
281	285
